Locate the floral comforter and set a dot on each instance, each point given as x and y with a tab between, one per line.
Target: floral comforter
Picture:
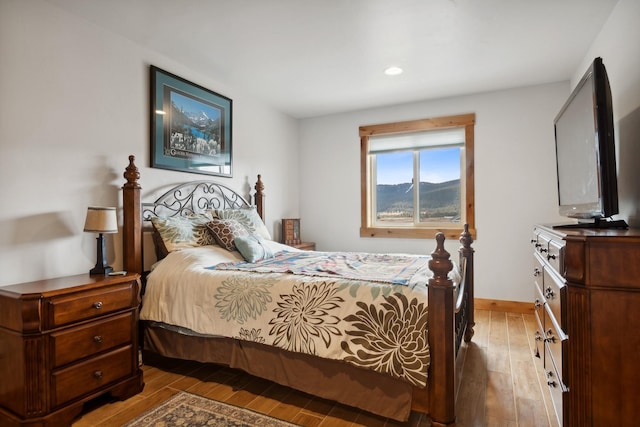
371	324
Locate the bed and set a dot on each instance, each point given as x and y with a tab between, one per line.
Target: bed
327	330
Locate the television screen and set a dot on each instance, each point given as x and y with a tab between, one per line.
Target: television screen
585	151
577	155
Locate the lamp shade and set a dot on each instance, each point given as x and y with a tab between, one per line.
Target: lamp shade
101	220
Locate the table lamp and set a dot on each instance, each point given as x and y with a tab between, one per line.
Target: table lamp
101	220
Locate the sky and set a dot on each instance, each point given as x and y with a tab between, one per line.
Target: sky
436	165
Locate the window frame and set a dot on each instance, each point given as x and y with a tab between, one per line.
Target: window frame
367	228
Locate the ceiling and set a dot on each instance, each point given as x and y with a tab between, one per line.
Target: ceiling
315	57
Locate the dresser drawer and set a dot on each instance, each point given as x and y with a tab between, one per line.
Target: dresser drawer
538	310
91	303
554	290
555	255
554	338
538	275
91	375
555	384
80	342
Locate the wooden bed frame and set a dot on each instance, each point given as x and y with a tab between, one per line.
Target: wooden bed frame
450	318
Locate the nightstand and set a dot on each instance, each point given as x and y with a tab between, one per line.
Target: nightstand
65	341
305	246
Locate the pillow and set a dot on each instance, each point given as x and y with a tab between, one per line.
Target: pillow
248	217
225	231
253	247
158	244
179	232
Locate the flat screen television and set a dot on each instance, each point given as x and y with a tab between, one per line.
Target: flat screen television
586	155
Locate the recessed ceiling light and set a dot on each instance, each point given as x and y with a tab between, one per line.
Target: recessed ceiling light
393	71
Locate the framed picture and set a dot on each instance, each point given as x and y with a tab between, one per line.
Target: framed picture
291	231
190	126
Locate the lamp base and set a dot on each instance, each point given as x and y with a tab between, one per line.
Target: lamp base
101	262
98	269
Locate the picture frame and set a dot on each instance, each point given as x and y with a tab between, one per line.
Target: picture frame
190	126
291	231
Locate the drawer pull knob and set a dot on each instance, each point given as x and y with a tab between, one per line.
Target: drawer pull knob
543	250
97	305
552	384
98	339
538	337
97	375
551	256
549	294
550	336
537	304
536	272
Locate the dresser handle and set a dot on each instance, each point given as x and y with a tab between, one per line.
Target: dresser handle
548	293
97	305
98	339
551	256
550	336
536	272
552	384
97	375
537	304
541	250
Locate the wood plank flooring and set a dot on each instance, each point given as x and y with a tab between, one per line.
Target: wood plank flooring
501	385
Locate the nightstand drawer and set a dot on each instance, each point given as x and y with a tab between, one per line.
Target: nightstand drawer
91	375
93	303
77	343
305	246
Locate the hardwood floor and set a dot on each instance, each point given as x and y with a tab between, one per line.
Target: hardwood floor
501	385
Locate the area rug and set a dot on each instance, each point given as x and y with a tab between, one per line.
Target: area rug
186	409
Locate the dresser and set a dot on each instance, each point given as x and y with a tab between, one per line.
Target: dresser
587	309
65	341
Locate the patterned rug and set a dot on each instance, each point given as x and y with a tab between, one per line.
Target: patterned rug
186	409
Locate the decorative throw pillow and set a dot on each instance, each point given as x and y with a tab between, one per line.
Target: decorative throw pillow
248	217
253	247
181	232
158	244
225	231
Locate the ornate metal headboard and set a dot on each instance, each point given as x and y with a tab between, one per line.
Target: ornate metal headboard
193	197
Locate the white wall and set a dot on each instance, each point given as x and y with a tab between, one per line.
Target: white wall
74	103
619	46
515	180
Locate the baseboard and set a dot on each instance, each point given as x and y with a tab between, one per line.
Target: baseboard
502	305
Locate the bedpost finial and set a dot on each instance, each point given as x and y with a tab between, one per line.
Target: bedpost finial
131	174
259	187
466	238
440	263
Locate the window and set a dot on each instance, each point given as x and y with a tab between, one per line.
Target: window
417	177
